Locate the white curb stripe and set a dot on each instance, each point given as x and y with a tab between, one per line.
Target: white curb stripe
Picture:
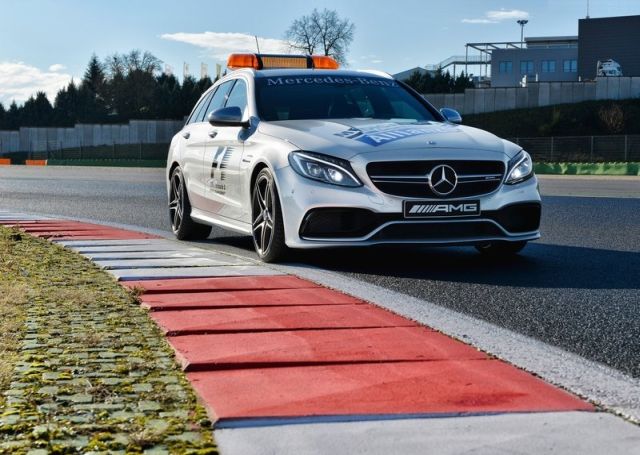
190	272
558	433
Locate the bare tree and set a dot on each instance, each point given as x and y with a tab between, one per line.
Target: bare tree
612	117
134	61
322	31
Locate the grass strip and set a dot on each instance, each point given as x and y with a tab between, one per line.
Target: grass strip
588	168
14	298
87	369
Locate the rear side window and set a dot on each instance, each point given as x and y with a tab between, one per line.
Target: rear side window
195	114
202	114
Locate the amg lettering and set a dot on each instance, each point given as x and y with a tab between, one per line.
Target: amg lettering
443	208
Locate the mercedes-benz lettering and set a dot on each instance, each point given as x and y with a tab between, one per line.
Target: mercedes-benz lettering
300	154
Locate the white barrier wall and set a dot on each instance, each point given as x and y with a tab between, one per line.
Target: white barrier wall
29	139
537	94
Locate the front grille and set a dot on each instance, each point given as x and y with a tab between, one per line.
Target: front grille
411	178
337	223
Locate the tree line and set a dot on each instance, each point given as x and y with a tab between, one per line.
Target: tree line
439	82
120	88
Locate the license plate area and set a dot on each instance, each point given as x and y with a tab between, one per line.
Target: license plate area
441	209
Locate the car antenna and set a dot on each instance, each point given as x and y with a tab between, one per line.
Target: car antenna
257	44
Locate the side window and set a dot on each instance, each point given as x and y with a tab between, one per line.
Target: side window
196	111
202	114
219	98
238	96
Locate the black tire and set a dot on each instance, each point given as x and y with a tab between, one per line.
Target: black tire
182	225
501	249
267	228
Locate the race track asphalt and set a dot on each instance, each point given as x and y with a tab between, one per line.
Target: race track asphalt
577	288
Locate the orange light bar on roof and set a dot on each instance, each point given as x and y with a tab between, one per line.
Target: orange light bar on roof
284	61
323	62
236	61
265	61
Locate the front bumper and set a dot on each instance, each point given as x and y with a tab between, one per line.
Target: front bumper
320	215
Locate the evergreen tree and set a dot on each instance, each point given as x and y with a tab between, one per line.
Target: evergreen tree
121	88
13	117
66	106
462	82
417	82
166	97
94	76
439	83
37	111
189	95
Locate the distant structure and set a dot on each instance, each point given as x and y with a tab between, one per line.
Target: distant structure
404	75
550	58
609	38
541	59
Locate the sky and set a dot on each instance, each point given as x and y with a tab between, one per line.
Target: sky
46	43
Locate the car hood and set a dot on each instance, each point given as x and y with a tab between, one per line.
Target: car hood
346	138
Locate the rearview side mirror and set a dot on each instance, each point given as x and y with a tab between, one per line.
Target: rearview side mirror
451	115
227	116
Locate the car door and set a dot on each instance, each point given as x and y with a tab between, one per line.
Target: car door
223	159
194	137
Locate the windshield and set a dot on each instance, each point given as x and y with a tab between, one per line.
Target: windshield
307	97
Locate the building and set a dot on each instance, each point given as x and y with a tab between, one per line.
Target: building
570	58
542	59
606	38
404	75
550	58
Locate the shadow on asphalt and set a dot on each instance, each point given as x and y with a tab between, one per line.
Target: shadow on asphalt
539	265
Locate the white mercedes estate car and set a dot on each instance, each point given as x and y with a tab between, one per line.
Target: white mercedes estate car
300	154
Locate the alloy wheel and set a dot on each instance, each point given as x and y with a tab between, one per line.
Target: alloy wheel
176	202
263	214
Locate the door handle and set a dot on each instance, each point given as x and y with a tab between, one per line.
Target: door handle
186	135
213	134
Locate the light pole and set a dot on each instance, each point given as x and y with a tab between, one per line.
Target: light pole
522	23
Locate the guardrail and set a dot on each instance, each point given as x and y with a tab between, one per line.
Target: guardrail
582	149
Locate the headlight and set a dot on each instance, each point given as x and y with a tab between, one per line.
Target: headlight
520	168
324	168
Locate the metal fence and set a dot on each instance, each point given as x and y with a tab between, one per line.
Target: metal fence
586	149
140	151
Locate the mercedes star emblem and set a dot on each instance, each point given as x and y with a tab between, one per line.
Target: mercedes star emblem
443	180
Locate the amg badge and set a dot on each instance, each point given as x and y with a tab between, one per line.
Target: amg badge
431	209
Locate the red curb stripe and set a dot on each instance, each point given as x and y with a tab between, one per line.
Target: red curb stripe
117	236
75	230
15	223
226	299
198	352
276	318
451	387
241	283
74	233
62	228
321	384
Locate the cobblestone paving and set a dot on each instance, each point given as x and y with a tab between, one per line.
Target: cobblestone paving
95	375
